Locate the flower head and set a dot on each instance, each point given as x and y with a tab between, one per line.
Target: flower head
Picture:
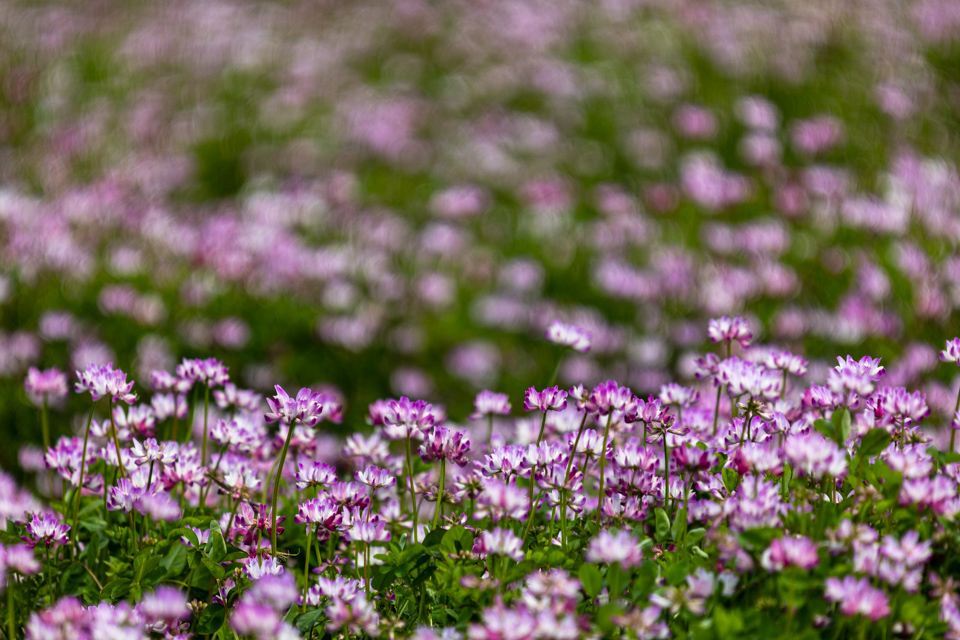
568	335
550	399
48	386
104	380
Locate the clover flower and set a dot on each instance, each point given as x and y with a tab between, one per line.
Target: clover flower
305	408
442	442
550	399
730	330
490	403
952	351
48	386
568	335
209	371
615	548
790	551
501	542
406	419
46	528
857	596
103	381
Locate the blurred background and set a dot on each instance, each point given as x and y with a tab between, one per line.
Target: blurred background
396	197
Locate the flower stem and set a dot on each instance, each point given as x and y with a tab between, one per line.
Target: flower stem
413	490
953	431
443	470
45	425
306	571
603	464
543	424
83	459
666	468
276	489
716	410
116	442
573	451
11	614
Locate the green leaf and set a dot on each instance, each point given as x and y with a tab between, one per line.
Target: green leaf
604	615
874	442
591	579
826	428
731	479
456	540
695	535
663	524
215	569
216	548
435	537
306	621
183	532
677	573
175	560
728	623
841	425
211	619
615	580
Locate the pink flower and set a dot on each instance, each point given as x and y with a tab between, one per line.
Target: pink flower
489	403
305	407
790	551
619	547
730	330
551	399
857	597
48	386
568	335
104	380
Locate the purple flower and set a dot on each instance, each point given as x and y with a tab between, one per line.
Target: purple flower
489	403
675	394
169	405
315	474
276	591
48	386
730	330
104	380
810	454
445	443
406	419
606	398
164	608
20	558
790	551
497	541
322	512
166	381
857	596
232	397
619	547
550	399
305	407
952	352
354	616
46	528
375	477
210	372
568	335
368	532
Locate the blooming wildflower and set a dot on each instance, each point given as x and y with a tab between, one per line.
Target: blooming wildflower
406	419
232	397
376	477
619	547
550	399
209	371
790	551
20	558
500	500
104	380
730	330
168	405
48	386
498	541
785	361
165	606
150	451
46	528
257	568
445	443
857	596
490	403
354	616
276	591
568	335
674	394
605	398
813	455
644	624
254	619
952	352
315	474
166	381
368	532
305	408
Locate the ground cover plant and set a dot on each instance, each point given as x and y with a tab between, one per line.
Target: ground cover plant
768	509
479	319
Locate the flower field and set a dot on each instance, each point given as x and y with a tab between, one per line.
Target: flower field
490	320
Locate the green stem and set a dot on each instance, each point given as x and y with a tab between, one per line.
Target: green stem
276	489
716	410
443	470
206	406
83	459
45	426
953	432
603	464
193	406
116	442
11	614
666	468
489	431
543	424
306	571
413	490
573	451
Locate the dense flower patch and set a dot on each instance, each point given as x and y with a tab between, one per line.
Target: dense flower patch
749	505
